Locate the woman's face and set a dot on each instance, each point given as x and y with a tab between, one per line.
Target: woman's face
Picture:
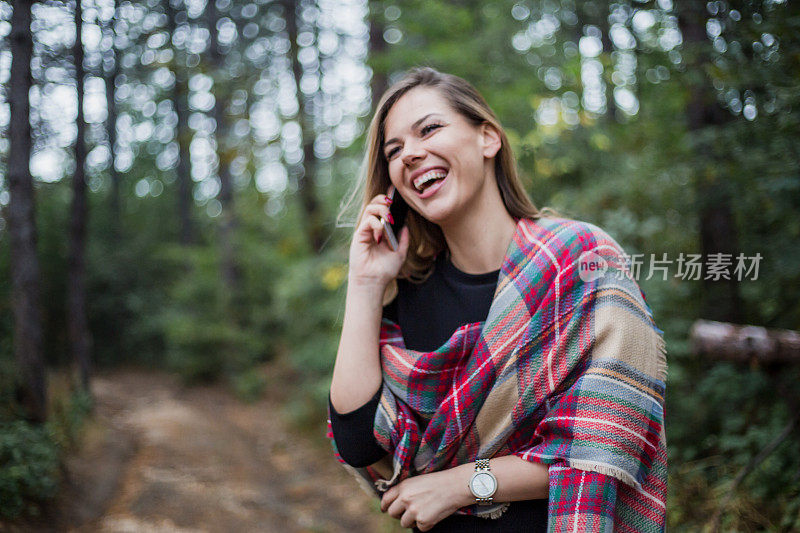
437	159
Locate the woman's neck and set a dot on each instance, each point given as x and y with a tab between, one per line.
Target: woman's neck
478	242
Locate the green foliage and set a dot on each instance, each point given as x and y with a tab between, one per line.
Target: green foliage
249	384
722	417
28	467
310	301
67	416
199	323
9	410
31	454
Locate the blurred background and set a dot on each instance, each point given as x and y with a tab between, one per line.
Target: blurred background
169	225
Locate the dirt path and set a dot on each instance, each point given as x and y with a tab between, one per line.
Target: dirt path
161	457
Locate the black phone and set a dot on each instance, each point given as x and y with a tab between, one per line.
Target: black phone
399	210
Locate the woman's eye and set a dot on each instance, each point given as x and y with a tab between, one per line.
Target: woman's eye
424	131
429	128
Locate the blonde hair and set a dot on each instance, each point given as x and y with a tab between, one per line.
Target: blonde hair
427	239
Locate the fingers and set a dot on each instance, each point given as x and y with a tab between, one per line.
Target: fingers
397	509
400	507
373	216
377	210
392	504
374	226
388	497
407	520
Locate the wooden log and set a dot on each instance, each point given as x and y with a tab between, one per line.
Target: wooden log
742	343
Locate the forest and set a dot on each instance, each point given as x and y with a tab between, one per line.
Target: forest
173	177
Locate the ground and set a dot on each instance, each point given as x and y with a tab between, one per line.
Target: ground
157	456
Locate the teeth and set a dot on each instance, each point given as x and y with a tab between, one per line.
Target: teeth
428	176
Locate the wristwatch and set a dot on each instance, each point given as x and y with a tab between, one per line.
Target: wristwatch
483	484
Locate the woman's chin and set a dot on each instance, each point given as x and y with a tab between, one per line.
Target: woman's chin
443	208
438	216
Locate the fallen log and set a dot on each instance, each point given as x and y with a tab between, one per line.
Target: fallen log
742	343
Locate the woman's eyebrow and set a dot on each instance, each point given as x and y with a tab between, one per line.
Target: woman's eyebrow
413	126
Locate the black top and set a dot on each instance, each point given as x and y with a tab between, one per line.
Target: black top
428	314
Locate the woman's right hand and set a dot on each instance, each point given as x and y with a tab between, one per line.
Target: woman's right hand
372	261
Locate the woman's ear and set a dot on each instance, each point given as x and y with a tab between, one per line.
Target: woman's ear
490	138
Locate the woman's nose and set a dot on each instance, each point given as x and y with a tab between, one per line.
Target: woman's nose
412	152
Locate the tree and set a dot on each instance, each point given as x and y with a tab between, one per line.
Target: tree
377	46
306	172
180	93
110	72
231	271
598	14
77	322
718	234
22	226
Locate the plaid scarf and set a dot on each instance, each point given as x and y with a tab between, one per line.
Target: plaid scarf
568	370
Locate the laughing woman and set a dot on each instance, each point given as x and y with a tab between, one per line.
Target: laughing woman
498	368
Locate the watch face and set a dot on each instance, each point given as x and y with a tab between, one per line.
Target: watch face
483	485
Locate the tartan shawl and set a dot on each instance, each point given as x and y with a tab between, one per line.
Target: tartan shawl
568	370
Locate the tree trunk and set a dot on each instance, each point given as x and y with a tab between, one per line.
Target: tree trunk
31	388
305	173
180	94
111	72
77	324
608	65
377	46
597	14
721	300
231	273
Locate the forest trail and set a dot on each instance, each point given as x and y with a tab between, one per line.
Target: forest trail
161	457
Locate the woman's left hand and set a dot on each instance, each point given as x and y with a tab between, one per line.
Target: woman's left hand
426	499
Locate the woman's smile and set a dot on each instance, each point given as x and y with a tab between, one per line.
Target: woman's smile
429	180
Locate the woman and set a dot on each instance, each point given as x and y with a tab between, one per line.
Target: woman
515	380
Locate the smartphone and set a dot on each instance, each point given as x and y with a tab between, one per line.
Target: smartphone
399	210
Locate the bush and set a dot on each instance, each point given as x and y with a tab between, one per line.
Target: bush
31	454
29	464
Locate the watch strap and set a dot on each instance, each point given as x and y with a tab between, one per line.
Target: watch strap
482	464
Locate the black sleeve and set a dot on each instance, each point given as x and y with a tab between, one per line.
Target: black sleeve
353	435
390	311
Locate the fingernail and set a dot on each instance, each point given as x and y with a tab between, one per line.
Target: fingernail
390	218
387	201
